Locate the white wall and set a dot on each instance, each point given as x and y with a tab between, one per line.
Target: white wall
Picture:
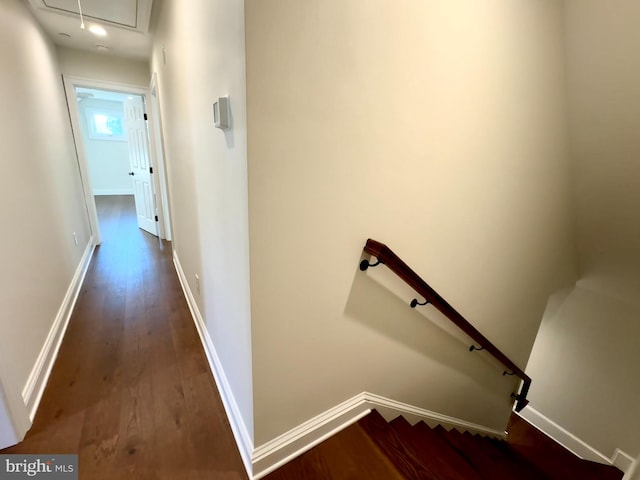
436	127
585	356
583	364
79	63
204	47
108	160
604	85
41	199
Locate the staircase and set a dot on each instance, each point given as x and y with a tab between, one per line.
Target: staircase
373	449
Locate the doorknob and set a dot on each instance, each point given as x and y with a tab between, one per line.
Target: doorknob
131	173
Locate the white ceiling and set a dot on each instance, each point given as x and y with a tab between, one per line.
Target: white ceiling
126	23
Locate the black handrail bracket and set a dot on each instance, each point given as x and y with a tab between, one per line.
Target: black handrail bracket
387	257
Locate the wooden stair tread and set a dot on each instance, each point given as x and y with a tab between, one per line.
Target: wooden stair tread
433	452
490	460
349	455
604	472
561	467
436	452
393	446
377	450
558	463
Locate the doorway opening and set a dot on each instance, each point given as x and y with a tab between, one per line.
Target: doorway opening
115	143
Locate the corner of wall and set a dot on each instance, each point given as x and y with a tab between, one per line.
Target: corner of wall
34	388
237	422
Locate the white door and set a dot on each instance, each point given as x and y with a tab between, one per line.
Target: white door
139	160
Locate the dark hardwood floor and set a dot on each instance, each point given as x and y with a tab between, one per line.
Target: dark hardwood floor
375	449
349	455
131	391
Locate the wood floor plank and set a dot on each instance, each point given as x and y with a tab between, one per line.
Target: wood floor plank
350	455
131	392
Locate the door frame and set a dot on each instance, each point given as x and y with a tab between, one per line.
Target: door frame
159	188
157	152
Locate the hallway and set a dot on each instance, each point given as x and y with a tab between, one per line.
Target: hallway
131	391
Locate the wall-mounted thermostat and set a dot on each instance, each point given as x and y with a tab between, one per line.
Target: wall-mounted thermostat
221	113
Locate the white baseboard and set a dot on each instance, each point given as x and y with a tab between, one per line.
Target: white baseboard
623	461
633	472
572	443
273	454
34	388
284	448
390	409
238	427
113	191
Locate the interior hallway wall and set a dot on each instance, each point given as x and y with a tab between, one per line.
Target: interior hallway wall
41	197
198	56
604	87
79	63
585	355
436	127
581	365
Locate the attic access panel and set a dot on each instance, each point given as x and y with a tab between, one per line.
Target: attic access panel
122	12
129	14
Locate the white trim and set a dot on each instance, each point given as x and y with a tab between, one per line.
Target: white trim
238	427
34	388
284	448
273	454
112	191
157	147
633	470
390	409
572	443
306	447
70	82
622	461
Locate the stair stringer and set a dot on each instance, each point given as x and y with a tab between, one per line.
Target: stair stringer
390	409
273	454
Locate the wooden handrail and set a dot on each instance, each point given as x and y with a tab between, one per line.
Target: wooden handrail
386	256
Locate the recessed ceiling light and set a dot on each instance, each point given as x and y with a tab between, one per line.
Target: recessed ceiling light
97	30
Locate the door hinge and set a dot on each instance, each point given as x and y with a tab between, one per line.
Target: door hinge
156	218
146	117
150	169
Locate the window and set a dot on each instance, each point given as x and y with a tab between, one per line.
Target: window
106	124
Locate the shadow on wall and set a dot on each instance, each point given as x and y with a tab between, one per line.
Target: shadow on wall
380	301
